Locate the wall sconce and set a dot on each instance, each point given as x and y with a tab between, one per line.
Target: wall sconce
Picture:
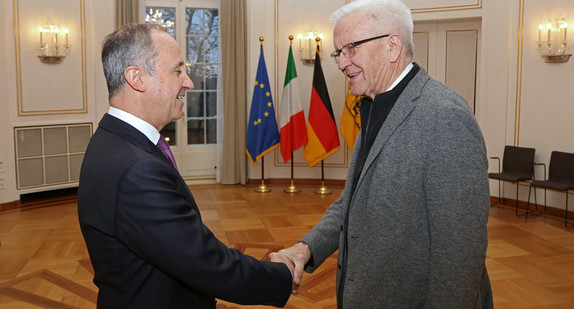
307	45
555	48
51	49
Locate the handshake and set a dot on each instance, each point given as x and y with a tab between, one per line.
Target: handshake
295	258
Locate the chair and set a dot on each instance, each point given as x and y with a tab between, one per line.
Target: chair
517	166
560	178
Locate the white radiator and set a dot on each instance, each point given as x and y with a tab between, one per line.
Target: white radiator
50	155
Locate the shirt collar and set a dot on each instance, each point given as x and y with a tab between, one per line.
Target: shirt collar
147	129
405	72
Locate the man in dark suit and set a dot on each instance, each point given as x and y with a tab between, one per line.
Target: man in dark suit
142	227
411	223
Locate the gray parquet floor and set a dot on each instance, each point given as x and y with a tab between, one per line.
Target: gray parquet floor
44	261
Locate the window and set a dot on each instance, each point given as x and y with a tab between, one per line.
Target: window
197	33
201	46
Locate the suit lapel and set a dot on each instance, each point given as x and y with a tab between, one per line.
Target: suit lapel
131	134
403	107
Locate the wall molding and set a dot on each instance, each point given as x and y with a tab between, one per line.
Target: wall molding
19	51
449	8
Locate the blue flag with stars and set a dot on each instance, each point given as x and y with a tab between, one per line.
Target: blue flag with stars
262	131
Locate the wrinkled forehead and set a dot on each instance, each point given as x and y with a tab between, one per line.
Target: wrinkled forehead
352	28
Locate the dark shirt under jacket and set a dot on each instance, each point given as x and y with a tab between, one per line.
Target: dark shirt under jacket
373	115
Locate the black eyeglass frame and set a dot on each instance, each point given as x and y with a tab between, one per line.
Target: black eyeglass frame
336	54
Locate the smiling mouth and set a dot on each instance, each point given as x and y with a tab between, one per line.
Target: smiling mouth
180	97
353	75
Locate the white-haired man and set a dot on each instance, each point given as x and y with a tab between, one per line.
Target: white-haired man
410	225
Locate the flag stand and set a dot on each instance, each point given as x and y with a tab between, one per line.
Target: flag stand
323	189
263	188
292	188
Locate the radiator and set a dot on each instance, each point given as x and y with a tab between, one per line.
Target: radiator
48	156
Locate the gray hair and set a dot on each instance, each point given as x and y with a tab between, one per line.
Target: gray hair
129	45
385	16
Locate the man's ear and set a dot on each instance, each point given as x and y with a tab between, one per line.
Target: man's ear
395	45
134	77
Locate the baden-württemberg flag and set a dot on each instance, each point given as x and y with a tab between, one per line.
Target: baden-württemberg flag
350	119
292	129
262	132
321	126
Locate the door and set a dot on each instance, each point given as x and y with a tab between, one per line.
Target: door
193	138
449	53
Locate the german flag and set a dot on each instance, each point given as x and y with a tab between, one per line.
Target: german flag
321	127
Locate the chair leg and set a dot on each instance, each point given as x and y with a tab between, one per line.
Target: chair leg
545	202
566	215
536	213
528	202
517	203
499	193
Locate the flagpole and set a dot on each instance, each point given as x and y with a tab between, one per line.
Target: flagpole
292	188
323	189
263	188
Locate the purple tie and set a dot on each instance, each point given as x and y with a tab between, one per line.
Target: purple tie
164	147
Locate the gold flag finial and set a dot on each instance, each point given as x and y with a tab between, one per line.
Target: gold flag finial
261	39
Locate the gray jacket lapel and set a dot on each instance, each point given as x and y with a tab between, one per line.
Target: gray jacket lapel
403	107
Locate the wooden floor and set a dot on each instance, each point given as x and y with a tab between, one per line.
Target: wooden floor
44	262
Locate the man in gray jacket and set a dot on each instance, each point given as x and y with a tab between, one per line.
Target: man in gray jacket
410	225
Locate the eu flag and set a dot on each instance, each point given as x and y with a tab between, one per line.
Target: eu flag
262	131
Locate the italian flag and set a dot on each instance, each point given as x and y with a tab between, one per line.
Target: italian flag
292	128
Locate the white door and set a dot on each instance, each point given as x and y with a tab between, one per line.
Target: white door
449	53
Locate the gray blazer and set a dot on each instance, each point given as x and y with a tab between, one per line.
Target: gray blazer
416	235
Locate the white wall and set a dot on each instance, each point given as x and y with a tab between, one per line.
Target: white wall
35	93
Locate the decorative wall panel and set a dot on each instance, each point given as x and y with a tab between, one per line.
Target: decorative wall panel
48	89
424	6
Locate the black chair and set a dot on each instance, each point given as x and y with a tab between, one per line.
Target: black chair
560	178
517	166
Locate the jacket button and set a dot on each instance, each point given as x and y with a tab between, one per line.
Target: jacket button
341	227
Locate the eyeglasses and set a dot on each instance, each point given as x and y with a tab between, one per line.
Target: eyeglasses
349	49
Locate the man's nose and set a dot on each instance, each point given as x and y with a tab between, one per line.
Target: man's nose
187	83
343	62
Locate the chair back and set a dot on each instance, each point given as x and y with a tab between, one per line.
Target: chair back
561	167
518	160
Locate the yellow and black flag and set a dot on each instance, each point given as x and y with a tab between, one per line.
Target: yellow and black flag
351	119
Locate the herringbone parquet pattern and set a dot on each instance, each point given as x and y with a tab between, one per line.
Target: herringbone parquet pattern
44	262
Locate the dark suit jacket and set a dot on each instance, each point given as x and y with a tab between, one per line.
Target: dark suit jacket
145	236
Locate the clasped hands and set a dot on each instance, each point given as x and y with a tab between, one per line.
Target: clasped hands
295	257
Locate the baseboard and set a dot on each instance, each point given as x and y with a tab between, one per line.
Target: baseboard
297	182
41	199
511	203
